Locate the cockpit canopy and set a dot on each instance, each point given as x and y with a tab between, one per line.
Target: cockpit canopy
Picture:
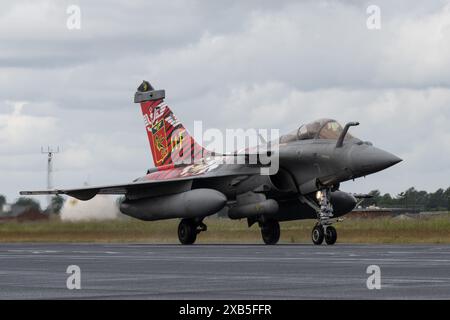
319	129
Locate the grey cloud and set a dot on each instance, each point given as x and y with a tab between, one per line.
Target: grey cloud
231	64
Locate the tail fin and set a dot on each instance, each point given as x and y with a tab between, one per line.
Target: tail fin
170	143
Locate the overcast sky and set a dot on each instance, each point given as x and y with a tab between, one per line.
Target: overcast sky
232	64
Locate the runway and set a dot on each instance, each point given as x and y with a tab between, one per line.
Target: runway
145	271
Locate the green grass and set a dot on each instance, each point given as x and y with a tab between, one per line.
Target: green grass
434	229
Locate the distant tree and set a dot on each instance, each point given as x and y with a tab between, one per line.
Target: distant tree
28	202
447	198
401	200
437	200
386	201
447	192
410	197
422	198
56	204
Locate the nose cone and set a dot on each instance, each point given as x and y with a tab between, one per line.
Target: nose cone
370	159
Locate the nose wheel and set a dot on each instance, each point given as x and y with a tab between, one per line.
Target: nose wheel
320	233
330	235
317	234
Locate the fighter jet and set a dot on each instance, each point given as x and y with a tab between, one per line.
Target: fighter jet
189	182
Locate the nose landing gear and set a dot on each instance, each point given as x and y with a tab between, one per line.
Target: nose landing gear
320	233
323	230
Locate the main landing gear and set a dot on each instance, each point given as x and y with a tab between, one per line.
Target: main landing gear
188	230
270	231
323	230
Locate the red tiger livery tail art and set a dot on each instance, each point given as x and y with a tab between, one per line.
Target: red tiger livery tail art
170	142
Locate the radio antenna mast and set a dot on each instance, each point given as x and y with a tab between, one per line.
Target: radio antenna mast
50	152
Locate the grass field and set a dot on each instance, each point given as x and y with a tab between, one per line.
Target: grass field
435	229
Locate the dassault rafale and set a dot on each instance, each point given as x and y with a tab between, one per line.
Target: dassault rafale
190	183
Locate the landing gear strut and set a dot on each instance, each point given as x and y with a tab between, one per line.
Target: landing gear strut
324	230
188	230
270	232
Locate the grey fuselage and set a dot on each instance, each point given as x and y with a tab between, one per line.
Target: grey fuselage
305	166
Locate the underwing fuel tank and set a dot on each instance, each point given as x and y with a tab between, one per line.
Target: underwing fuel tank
189	204
266	207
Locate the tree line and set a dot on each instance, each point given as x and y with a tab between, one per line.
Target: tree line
55	206
411	198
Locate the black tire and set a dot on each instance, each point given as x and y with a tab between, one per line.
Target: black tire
330	235
317	234
187	231
270	232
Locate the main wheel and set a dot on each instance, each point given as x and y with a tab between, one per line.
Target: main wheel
270	232
187	231
317	234
330	235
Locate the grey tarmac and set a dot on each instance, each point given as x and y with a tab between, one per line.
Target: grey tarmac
286	271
